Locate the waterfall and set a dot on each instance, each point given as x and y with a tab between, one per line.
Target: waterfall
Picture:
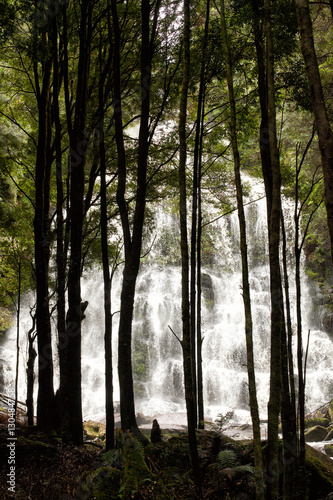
157	356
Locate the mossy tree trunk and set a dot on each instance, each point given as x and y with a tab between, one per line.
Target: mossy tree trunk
46	400
254	408
78	146
323	126
186	340
109	408
132	239
274	224
195	281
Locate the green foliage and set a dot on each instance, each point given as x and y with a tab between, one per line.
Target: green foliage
102	483
223	418
227	463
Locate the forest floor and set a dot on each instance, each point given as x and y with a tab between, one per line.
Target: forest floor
45	468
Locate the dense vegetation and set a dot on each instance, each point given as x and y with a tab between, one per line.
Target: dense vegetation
107	108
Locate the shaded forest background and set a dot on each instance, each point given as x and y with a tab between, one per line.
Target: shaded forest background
106	109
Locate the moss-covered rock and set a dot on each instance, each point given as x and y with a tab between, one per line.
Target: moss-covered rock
320	473
93	430
102	484
315	434
136	475
312	422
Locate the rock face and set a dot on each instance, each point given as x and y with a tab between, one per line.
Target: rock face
141	419
207	290
315	434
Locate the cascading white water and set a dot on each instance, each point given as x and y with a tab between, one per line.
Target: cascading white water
157	356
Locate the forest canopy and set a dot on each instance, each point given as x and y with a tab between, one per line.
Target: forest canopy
108	109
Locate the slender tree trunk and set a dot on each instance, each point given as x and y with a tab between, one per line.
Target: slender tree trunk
275	275
132	243
18	311
193	302
289	331
45	403
324	130
201	414
31	372
63	400
78	144
288	398
254	408
186	341
301	389
109	410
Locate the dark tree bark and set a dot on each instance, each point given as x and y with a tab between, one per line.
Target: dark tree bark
199	288
18	312
45	402
195	305
288	397
132	242
32	354
274	224
61	251
298	246
289	330
109	409
254	408
78	145
323	127
186	341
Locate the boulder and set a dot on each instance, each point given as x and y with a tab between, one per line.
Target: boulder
312	422
315	434
141	419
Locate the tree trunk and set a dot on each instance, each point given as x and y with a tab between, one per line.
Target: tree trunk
18	311
301	388
186	341
78	144
289	331
275	275
288	408
254	408
31	372
195	228
45	403
63	400
201	415
109	410
132	244
324	130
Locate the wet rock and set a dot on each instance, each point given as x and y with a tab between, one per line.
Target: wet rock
315	434
141	419
207	290
312	422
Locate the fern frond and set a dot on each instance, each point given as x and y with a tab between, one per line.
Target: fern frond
226	459
244	469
